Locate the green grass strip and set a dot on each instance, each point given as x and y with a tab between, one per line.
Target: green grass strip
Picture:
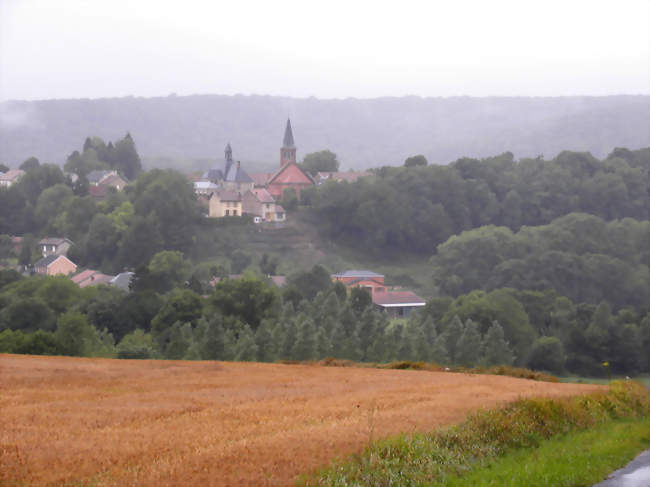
483	438
576	459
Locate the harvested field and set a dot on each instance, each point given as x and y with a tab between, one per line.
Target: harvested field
118	422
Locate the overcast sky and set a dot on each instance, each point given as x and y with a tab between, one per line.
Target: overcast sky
327	49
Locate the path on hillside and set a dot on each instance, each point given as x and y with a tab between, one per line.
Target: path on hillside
120	422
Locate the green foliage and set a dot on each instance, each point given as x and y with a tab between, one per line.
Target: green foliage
440	457
30	163
547	353
289	199
137	345
323	161
418	160
497	350
249	299
76	337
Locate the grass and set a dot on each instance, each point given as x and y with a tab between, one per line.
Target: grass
486	437
643	379
581	458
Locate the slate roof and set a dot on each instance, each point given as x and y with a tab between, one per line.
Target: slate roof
397	298
97	175
213	175
123	280
53	241
287	141
46	261
236	174
358	273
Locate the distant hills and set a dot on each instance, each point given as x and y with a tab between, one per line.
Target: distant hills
191	131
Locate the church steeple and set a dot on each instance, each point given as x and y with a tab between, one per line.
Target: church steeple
288	150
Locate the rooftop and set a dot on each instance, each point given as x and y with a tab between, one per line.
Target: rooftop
357	273
397	298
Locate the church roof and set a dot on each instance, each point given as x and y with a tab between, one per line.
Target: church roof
288	142
236	174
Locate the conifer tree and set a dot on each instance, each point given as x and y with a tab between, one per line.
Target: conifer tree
323	344
452	334
497	350
246	348
304	348
264	342
468	348
213	340
438	352
180	335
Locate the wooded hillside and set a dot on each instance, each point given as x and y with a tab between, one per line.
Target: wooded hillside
363	133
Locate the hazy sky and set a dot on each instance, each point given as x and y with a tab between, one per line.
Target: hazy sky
327	49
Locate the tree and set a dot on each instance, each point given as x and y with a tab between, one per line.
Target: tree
469	346
547	353
31	163
75	336
183	306
126	158
101	243
268	265
497	350
27	314
248	299
322	161
246	348
137	345
239	260
310	283
304	347
289	199
414	161
3	167
169	269
452	334
360	300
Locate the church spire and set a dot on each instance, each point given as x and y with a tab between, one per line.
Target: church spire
288	149
288	142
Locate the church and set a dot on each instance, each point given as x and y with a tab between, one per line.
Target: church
231	191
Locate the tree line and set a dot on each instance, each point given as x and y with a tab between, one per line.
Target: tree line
310	319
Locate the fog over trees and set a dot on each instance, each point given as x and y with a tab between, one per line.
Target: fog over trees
173	130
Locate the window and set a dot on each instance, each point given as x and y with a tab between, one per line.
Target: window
234	212
268	205
227	212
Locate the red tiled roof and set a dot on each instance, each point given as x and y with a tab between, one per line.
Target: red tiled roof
397	298
259	178
83	275
263	195
277	173
96	279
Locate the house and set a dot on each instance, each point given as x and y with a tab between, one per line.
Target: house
339	177
100	183
123	280
225	203
260	203
90	277
204	188
110	179
289	175
10	177
58	246
398	304
55	264
233	177
361	278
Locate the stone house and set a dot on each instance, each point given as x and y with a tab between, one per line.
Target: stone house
225	203
55	264
260	203
54	245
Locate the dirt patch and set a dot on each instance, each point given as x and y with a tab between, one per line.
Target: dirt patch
122	422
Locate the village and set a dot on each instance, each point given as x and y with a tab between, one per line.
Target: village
222	192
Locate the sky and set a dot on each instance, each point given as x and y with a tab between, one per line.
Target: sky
327	49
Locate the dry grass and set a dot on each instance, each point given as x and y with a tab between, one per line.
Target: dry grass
74	421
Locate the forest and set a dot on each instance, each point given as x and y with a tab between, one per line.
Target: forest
537	263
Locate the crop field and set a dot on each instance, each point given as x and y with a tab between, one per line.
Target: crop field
75	421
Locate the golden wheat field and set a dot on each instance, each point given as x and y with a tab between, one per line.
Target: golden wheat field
75	421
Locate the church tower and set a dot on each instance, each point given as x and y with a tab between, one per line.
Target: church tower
228	158
288	150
